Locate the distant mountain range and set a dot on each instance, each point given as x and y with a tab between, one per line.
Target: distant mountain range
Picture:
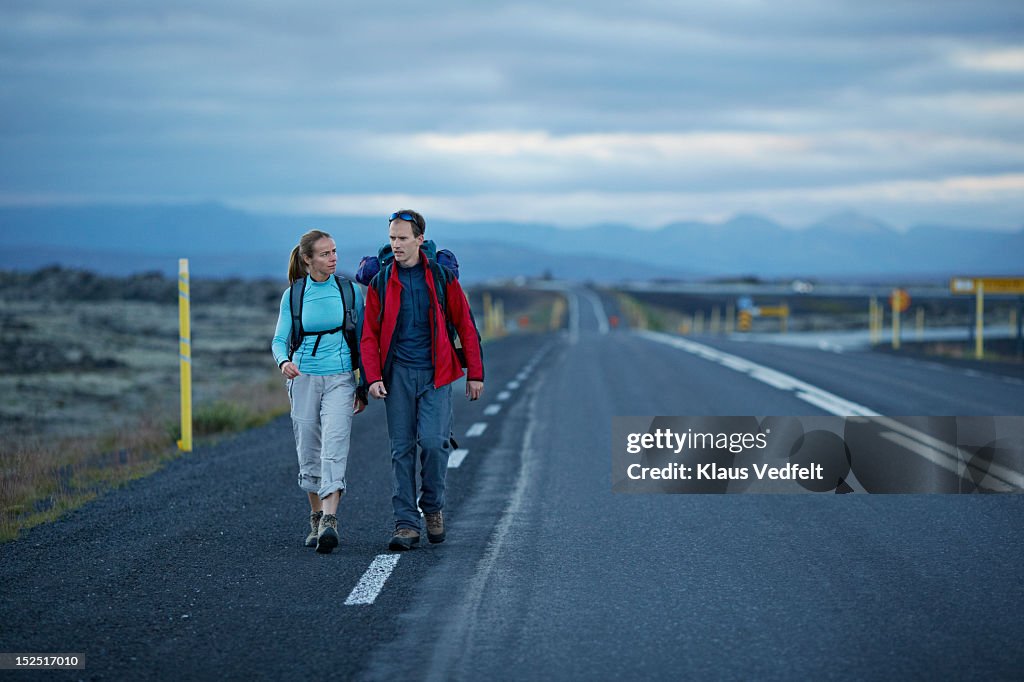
222	242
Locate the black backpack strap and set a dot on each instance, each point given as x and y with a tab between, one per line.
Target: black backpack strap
442	277
380	283
297	289
348	325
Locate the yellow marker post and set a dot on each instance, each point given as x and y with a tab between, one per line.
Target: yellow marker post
185	353
730	317
979	320
488	314
873	320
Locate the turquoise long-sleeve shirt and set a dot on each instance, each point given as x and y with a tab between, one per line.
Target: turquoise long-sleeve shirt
322	309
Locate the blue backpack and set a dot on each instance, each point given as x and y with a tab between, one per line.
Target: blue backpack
374	271
371	265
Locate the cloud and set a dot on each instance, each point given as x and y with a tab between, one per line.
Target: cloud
1000	61
935	201
745	102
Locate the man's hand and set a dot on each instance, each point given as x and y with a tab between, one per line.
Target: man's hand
377	390
289	370
474	389
358	405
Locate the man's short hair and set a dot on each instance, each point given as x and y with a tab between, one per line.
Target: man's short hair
419	223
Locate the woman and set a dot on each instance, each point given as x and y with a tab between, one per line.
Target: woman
316	346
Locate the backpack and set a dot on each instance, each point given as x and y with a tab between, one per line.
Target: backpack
371	265
376	270
348	325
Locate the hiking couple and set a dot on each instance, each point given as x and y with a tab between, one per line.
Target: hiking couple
403	344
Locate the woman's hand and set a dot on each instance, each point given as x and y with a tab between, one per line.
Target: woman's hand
289	370
377	390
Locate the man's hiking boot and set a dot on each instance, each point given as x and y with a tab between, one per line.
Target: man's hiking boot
327	539
404	538
435	526
314	528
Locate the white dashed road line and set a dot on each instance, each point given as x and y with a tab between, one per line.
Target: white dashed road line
504	395
492	410
372	582
455	459
476	429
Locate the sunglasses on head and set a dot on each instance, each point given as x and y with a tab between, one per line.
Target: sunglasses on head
403	215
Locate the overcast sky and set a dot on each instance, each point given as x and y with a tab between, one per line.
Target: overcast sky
563	113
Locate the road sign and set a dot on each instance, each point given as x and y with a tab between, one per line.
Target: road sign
774	311
992	285
899	300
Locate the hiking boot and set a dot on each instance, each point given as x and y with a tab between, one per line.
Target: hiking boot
435	526
327	539
404	538
314	528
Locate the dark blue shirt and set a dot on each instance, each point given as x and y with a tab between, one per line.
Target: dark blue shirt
412	334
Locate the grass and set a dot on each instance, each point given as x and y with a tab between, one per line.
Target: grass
646	316
43	479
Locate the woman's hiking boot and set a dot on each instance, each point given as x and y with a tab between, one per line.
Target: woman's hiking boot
327	539
314	528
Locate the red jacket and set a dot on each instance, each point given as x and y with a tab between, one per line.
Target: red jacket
379	332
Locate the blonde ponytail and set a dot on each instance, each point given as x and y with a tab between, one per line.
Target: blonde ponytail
296	264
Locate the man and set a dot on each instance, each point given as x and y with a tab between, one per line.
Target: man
409	361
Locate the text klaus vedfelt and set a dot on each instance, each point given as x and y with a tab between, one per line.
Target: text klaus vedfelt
666	439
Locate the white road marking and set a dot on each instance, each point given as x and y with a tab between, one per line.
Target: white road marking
372	582
522	376
811	394
476	429
937	451
574	317
599	313
830	402
512	385
492	410
455	459
950	452
504	395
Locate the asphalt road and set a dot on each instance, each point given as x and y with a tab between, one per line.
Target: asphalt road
198	571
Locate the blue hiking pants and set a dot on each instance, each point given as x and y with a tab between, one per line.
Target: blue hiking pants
418	414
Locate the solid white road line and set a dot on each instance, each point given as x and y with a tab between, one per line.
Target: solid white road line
599	313
372	582
811	394
455	459
574	317
941	459
951	454
476	429
492	410
937	451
